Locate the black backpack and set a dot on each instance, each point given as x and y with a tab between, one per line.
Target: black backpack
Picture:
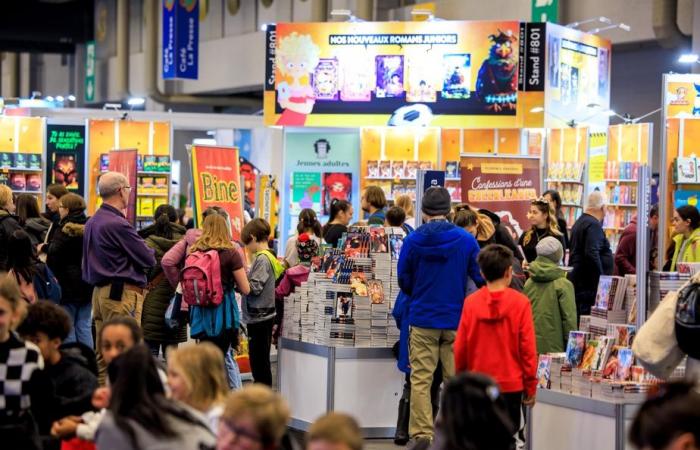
688	320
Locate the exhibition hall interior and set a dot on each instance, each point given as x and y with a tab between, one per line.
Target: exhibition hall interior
350	224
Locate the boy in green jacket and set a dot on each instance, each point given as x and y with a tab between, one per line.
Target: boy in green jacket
552	297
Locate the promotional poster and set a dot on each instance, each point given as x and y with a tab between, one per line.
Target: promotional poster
217	182
446	73
504	186
65	156
682	95
124	162
268	200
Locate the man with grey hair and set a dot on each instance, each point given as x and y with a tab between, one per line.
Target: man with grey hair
115	258
590	255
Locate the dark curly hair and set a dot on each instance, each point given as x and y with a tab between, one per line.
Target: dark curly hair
45	317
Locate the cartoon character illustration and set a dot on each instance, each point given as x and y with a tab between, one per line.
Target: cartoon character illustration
325	80
337	186
297	57
497	83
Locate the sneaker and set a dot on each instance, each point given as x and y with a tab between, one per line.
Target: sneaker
420	443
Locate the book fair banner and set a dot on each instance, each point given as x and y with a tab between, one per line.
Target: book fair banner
448	73
124	162
217	182
504	186
65	156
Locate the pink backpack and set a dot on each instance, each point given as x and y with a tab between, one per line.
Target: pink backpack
201	279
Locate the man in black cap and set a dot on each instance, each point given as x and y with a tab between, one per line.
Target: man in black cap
435	263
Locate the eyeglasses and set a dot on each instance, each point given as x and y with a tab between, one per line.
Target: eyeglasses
240	432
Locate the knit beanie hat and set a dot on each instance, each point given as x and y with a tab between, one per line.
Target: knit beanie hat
551	248
307	248
436	202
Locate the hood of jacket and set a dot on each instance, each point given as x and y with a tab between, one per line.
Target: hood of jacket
37	224
277	266
151	230
435	240
160	244
495	306
192	235
74	224
543	270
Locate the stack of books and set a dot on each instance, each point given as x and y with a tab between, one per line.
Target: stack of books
661	283
609	304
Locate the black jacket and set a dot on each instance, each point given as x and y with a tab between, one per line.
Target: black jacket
530	247
8	225
65	259
561	224
37	228
590	257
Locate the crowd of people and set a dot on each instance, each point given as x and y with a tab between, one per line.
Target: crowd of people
95	319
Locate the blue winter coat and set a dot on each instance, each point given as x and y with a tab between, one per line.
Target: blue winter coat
400	313
435	263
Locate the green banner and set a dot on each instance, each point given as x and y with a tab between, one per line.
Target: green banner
90	71
545	11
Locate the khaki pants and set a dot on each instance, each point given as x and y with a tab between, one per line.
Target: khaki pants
104	309
427	346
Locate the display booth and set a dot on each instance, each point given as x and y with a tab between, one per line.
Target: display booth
22	160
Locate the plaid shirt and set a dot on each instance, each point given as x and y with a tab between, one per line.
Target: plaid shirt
18	361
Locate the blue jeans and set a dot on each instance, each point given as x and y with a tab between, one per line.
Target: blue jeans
81	317
232	371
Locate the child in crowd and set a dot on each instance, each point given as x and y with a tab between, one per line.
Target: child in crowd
396	217
496	335
258	306
552	297
255	418
473	415
197	377
118	335
25	391
335	431
306	249
670	420
47	325
140	414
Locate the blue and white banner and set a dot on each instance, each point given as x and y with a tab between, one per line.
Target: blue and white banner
180	39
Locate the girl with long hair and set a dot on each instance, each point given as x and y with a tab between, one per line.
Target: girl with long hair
340	218
544	223
139	414
8	223
27	209
161	237
197	378
24	265
309	224
555	203
404	202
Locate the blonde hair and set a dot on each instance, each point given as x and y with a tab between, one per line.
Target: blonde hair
5	195
404	202
215	235
296	46
544	207
267	409
337	428
202	368
464	215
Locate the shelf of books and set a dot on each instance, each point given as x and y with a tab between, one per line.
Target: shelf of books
628	150
391	157
152	141
342	316
566	169
597	370
21	154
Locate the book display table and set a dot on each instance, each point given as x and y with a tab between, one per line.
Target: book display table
560	420
363	382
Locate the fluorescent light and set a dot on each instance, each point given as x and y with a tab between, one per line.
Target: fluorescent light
610	113
688	58
71	98
59	98
136	101
537	109
263	27
49	98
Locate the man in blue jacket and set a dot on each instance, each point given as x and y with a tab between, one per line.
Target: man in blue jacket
435	262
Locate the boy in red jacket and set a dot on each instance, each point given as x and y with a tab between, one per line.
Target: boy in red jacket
496	334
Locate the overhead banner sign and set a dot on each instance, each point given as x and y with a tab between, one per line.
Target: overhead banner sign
124	162
504	186
217	182
451	73
180	39
65	155
545	11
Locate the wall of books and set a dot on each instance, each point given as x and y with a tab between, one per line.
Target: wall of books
349	296
566	168
21	155
628	150
152	141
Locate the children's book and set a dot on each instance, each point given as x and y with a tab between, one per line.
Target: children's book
396	243
378	240
452	169
325	80
376	291
602	352
623	334
389	76
576	348
544	371
21	161
34	161
385	169
358	283
6	160
625	359
411	169
589	354
373	169
398	168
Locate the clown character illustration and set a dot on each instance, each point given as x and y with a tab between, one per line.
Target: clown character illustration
297	57
336	186
497	83
325	80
